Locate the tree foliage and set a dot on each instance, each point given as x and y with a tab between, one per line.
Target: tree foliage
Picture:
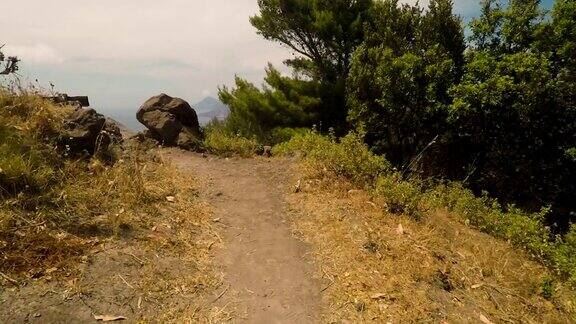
514	114
504	109
322	34
284	102
400	76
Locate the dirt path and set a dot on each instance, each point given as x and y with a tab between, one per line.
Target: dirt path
268	277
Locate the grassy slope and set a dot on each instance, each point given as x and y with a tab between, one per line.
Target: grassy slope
98	235
391	251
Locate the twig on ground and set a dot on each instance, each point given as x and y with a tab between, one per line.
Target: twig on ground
211	244
8	278
135	257
126	282
326	288
221	294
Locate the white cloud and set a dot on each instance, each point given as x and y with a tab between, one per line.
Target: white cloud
37	53
197	44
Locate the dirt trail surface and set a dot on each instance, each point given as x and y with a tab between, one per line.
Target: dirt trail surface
268	277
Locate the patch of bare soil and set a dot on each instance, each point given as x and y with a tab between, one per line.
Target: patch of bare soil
267	275
156	268
377	267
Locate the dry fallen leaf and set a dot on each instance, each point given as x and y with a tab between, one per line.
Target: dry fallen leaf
400	230
378	296
170	199
372	204
485	319
109	318
476	286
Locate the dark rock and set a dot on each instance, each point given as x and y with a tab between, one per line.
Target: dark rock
81	130
171	121
187	139
113	129
87	132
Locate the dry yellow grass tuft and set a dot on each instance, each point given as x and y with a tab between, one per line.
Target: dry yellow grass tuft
381	267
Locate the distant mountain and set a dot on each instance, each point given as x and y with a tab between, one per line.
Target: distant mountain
210	108
124	130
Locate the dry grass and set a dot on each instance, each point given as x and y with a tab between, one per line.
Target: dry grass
389	268
131	239
115	238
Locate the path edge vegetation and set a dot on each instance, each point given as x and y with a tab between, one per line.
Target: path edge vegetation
351	160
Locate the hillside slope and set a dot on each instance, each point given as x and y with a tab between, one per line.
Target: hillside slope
380	267
366	265
119	233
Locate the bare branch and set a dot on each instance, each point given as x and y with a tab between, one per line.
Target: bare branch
11	65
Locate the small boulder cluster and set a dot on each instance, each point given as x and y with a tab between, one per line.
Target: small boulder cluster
86	132
170	121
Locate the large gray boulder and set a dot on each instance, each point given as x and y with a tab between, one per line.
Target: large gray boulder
171	121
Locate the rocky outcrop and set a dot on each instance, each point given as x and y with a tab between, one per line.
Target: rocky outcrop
87	132
170	121
81	130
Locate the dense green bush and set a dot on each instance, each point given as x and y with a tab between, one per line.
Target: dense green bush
400	76
348	158
285	134
401	197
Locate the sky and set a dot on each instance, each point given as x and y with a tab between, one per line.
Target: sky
121	52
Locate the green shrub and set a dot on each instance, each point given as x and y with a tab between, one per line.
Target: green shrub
523	229
285	134
402	197
304	144
348	159
220	142
547	288
564	255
